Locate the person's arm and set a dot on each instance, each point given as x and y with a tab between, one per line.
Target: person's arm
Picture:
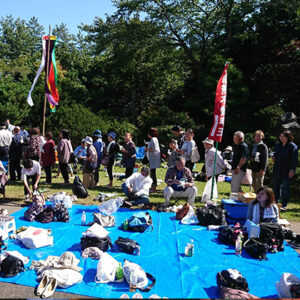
294	160
60	146
26	184
38	177
168	179
264	160
190	179
240	164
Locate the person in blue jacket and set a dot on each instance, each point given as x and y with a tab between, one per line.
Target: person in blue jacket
285	160
99	145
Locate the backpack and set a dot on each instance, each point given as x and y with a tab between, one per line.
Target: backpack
11	266
225	235
139	222
181	213
272	234
232	278
102	243
211	215
79	189
128	246
256	249
61	213
33	211
228	293
46	216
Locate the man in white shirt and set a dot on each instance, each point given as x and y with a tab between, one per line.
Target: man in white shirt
5	141
137	187
31	171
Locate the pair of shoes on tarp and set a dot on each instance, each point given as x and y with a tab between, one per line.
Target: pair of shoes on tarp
46	287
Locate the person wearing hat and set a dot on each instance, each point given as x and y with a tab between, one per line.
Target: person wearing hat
90	164
5	141
128	154
111	151
99	145
228	154
210	152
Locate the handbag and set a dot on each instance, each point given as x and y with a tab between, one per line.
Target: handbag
104	161
256	249
11	266
128	246
181	213
195	157
102	243
232	278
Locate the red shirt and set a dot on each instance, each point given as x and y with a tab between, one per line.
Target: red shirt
48	157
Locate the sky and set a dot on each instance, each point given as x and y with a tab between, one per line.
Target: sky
55	12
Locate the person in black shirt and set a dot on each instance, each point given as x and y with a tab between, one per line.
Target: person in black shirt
178	132
239	161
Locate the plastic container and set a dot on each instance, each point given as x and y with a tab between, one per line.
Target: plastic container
236	211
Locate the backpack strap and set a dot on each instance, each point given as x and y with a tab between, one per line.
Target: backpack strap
150	286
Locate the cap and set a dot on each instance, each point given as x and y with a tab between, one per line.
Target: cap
208	141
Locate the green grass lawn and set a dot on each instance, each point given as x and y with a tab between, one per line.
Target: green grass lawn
15	191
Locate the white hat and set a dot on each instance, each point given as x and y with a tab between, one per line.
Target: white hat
88	140
208	141
228	148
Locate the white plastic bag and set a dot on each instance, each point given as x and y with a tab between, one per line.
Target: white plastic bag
141	277
34	237
106	269
61	197
111	206
96	230
64	277
207	191
284	285
190	217
247	179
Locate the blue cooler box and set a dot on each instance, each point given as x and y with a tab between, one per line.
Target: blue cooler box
236	211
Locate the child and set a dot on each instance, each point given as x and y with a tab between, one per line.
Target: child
173	154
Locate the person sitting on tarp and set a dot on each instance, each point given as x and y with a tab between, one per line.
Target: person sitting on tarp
180	183
263	208
137	187
31	171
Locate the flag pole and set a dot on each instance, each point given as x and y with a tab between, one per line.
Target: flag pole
47	73
213	177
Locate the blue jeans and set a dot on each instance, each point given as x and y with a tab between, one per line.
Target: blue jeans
282	189
142	199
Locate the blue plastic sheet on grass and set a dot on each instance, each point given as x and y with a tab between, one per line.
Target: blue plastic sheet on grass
162	255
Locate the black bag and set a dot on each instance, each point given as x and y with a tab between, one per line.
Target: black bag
225	235
33	211
226	280
256	249
127	245
46	216
78	188
103	244
139	222
61	213
11	266
272	234
211	215
3	246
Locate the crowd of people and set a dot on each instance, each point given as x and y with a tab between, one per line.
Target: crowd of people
36	151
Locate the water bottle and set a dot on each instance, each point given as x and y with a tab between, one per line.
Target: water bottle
119	273
239	244
133	281
125	225
83	218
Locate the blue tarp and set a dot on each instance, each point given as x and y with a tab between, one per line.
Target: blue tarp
162	255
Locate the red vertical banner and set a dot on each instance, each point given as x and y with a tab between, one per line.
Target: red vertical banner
216	131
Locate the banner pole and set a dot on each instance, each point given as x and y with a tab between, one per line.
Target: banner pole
47	73
213	177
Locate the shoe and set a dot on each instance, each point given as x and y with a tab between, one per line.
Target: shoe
66	183
41	287
50	288
127	204
27	199
162	208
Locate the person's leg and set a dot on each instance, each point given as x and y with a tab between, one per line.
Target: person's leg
26	193
128	172
236	181
109	168
85	179
92	181
141	200
191	193
125	189
276	187
168	192
286	191
12	170
153	176
18	169
64	171
96	175
48	174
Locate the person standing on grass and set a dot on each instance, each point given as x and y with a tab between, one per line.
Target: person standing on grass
111	151
31	171
285	163
153	150
64	150
259	154
173	154
5	141
48	156
99	145
15	154
187	148
239	161
128	154
179	134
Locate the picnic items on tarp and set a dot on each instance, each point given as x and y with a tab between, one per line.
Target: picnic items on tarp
181	213
104	196
128	245
11	266
256	249
106	269
46	216
111	206
61	197
78	188
232	278
288	286
34	237
211	214
272	234
15	253
190	218
33	211
93	252
61	213
104	220
228	293
235	211
138	222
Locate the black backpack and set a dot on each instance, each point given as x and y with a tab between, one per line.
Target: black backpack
225	280
139	222
103	244
256	249
61	213
46	216
11	266
33	211
127	245
211	215
225	235
78	188
272	234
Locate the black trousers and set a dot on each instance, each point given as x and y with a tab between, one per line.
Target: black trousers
109	168
189	165
96	175
33	180
128	172
153	176
14	166
48	171
64	171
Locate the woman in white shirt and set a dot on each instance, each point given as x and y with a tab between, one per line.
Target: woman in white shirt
187	148
153	156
